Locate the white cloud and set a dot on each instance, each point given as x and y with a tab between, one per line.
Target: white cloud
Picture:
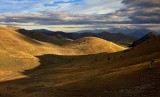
85	12
73	6
57	18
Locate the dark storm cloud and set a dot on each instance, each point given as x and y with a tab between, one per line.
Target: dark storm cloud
142	11
142	3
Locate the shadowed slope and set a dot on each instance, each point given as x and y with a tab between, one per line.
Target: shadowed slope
119	38
85	45
143	39
14	41
120	74
57	39
17	52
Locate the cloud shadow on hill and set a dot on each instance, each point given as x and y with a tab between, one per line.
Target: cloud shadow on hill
42	81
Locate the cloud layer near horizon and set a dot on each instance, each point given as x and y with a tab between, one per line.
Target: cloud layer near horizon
79	12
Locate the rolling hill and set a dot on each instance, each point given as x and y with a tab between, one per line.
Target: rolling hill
124	73
37	44
17	50
56	39
119	38
92	45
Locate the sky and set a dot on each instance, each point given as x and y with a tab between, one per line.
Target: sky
76	15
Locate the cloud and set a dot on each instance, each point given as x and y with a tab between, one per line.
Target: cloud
79	12
138	12
96	6
72	6
142	11
56	18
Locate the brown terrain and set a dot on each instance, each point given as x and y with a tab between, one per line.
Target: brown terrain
87	67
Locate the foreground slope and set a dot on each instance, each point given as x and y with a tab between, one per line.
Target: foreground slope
120	74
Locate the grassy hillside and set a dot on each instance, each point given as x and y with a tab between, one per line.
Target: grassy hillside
17	52
119	38
13	41
58	40
118	74
93	45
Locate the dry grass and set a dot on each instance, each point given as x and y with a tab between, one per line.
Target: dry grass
119	74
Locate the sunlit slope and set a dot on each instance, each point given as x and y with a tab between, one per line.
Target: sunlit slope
119	74
17	52
83	46
93	45
12	41
122	74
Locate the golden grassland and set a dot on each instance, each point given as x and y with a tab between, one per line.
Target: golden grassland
87	67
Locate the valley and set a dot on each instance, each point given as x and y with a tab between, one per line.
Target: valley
86	67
